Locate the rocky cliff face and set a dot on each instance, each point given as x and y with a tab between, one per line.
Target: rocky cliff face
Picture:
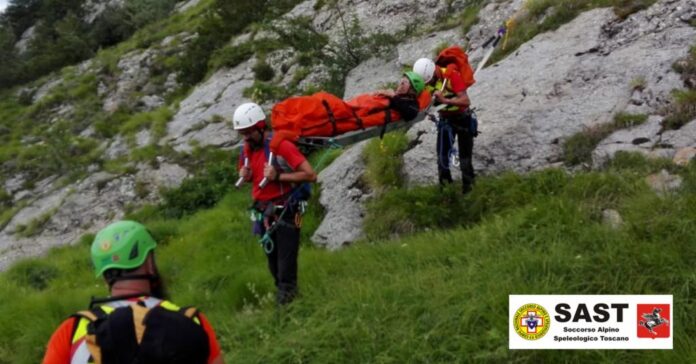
527	104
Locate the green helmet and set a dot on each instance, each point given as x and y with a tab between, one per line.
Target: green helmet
121	245
416	81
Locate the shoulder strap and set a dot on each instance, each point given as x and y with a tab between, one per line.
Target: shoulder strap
190	312
93	315
139	313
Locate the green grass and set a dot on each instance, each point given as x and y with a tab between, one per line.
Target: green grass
383	161
156	119
439	295
577	149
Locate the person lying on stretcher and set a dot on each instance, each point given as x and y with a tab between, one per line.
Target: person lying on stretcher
405	98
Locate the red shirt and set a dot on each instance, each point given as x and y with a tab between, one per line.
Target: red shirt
257	161
59	346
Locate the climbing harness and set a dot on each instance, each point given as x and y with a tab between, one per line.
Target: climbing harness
296	199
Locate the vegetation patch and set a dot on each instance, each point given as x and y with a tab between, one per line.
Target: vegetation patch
578	148
683	110
35	274
464	19
383	160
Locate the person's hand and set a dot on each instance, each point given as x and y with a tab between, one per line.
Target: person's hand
438	96
384	93
270	172
245	173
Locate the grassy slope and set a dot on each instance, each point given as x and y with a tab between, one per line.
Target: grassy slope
436	296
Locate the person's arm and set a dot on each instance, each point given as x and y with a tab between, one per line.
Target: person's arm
385	93
461	99
58	348
215	356
218	360
303	173
302	170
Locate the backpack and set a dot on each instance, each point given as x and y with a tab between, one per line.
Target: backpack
454	59
138	334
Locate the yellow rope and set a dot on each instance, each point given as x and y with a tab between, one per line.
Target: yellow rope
509	24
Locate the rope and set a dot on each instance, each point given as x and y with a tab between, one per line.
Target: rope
446	131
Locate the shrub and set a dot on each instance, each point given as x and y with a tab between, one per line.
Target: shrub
383	161
682	111
263	71
33	273
261	92
231	56
199	192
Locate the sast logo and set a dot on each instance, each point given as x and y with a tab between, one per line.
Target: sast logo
653	320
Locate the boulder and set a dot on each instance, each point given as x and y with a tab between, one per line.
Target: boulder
684	156
641	139
371	75
217	97
664	182
612	218
342	195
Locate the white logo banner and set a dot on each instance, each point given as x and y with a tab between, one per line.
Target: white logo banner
591	321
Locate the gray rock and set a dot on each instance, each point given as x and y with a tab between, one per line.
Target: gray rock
152	180
15	183
23	44
684	156
371	75
151	102
214	134
117	148
134	73
424	47
84	66
45	89
171	84
94	8
641	139
681	138
88	132
86	206
36	210
219	95
21	195
343	196
612	218
143	138
185	5
492	16
664	182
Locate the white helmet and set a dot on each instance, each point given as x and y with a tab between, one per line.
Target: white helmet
247	115
425	68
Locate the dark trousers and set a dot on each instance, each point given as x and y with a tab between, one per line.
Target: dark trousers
449	128
282	260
